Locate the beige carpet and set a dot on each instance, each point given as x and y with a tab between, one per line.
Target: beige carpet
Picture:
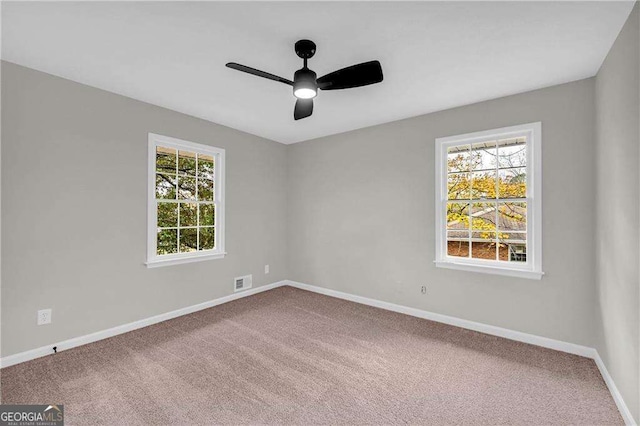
290	356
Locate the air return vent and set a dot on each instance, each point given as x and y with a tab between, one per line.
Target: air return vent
242	283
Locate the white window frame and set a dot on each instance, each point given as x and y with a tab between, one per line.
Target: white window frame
153	259
532	268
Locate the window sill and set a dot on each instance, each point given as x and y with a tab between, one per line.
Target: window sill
177	261
486	269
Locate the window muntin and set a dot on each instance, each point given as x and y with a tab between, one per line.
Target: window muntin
488	199
185	201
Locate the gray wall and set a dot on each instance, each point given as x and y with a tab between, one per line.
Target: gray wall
361	216
74	176
618	212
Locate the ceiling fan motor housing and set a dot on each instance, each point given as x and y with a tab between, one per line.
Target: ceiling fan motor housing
304	78
305	49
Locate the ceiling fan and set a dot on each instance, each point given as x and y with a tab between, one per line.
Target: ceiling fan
306	85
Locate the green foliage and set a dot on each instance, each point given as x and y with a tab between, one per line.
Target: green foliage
205	167
188	214
167	241
205	189
207	214
166	160
165	186
187	188
186	163
188	239
167	215
207	239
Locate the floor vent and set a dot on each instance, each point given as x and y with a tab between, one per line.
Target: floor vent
242	283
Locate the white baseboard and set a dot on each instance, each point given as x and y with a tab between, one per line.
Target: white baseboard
458	322
532	339
121	329
615	393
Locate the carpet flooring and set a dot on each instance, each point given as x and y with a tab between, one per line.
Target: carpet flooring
288	356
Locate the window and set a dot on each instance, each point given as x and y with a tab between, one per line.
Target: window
185	202
488	203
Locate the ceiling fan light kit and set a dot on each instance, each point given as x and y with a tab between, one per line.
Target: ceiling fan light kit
306	84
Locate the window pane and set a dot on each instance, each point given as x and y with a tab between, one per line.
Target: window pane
483	245
512	237
457	216
188	214
517	253
512	152
483	185
205	166
486	205
512	217
207	240
165	186
458	243
458	186
186	163
513	252
513	183
458	235
186	188
207	214
483	217
165	160
167	241
167	215
458	158
188	239
483	156
512	242
205	190
483	236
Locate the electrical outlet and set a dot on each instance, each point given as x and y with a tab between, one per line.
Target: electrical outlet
266	269
44	316
423	289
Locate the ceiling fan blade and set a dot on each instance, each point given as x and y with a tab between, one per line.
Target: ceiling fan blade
354	76
259	73
303	109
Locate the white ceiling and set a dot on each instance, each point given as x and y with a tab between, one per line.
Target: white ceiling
435	55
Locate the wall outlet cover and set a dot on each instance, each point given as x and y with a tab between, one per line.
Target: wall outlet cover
44	316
